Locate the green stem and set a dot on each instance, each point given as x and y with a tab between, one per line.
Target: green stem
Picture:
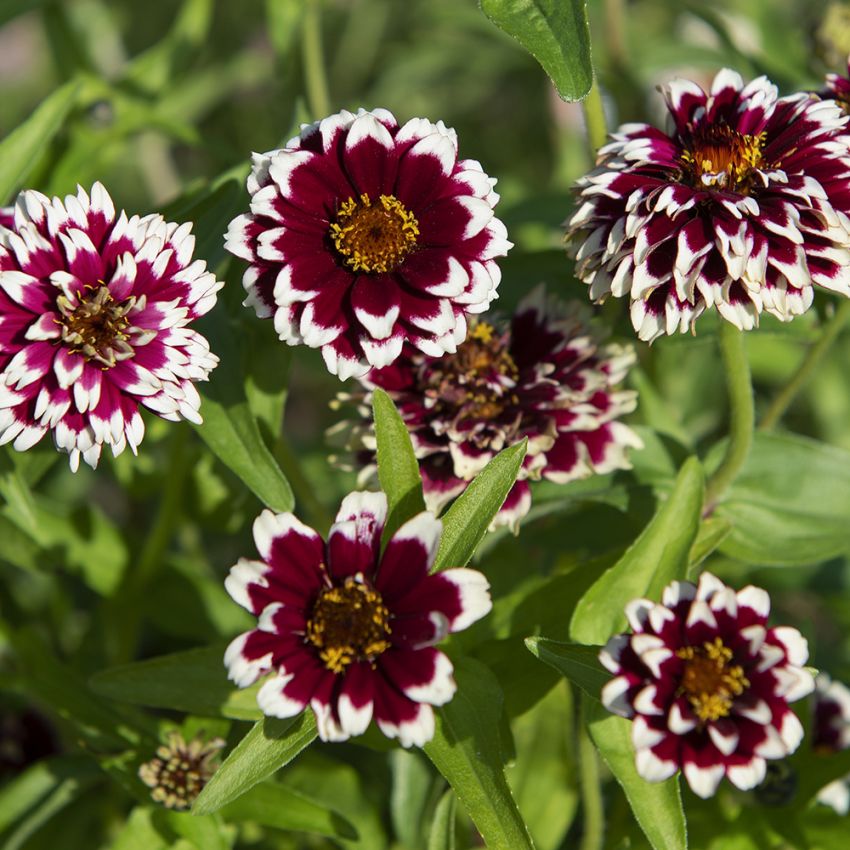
807	366
315	77
594	119
591	791
305	493
615	33
741	413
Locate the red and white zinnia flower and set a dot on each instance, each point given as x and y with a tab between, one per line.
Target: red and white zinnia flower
707	684
364	235
545	376
743	205
350	630
831	734
94	322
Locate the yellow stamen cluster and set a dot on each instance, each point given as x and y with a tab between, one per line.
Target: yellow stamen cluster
709	681
349	623
374	238
180	770
724	158
97	326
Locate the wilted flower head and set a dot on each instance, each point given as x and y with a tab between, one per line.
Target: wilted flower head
364	235
179	771
94	316
707	684
544	376
831	734
348	629
742	206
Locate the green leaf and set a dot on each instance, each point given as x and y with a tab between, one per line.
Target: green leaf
555	33
712	532
205	833
139	832
279	807
442	835
656	558
790	505
412	779
466	750
398	469
269	745
193	681
229	427
466	522
657	806
580	664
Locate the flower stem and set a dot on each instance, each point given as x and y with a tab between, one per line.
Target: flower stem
594	119
591	792
741	413
809	363
305	493
315	76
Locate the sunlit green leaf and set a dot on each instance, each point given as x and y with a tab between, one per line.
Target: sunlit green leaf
555	33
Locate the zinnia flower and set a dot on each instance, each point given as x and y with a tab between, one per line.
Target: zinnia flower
348	629
364	235
707	684
838	88
831	734
743	206
179	771
94	315
545	376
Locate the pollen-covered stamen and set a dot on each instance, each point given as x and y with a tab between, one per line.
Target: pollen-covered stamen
477	381
349	623
374	238
723	158
709	681
97	326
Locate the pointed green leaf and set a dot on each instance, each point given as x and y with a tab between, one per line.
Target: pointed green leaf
555	33
271	804
657	557
580	664
398	469
466	522
442	835
194	681
269	745
466	750
657	806
21	149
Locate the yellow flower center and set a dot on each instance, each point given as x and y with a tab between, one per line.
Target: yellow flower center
349	623
723	158
709	681
374	238
97	326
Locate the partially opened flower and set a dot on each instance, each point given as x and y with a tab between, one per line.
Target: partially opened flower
545	376
350	630
707	684
743	206
831	734
838	88
364	235
94	322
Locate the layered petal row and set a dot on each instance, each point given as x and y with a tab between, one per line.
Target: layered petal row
350	630
95	309
741	206
364	235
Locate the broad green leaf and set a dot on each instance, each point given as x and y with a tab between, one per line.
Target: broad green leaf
269	745
656	558
466	750
398	469
555	33
790	505
466	522
442	834
579	663
193	681
21	149
229	427
657	806
205	833
712	532
139	832
274	805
